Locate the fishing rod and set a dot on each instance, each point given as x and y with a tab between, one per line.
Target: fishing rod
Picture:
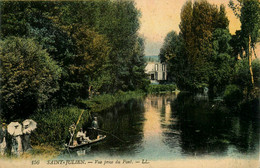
109	133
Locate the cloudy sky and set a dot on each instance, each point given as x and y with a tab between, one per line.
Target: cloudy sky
162	16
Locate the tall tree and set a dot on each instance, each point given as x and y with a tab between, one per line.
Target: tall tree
248	11
116	20
138	78
192	49
92	55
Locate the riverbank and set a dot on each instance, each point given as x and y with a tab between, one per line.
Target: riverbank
161	88
53	125
103	102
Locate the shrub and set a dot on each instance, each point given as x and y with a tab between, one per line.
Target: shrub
232	95
29	76
53	126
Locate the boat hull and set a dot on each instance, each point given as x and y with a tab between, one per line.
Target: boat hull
102	137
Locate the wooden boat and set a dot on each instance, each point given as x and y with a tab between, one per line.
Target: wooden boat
100	138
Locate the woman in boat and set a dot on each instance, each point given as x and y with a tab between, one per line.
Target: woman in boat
81	137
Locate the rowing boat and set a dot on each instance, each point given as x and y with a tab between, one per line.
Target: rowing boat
90	142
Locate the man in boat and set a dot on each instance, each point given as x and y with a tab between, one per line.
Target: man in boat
94	131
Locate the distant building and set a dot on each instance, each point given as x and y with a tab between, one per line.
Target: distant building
157	71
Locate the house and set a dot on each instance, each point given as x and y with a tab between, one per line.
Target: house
157	71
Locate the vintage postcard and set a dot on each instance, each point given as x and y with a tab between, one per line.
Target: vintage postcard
129	83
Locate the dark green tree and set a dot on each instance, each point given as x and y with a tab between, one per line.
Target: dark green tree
138	78
222	61
191	54
29	76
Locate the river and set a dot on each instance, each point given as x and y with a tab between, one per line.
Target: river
170	126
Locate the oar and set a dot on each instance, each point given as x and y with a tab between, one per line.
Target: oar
110	134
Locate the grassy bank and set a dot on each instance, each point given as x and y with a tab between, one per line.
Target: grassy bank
161	88
103	102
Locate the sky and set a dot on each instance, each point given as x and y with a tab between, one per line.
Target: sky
159	17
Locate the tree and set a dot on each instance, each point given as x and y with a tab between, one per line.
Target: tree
37	20
172	54
169	46
118	21
29	76
248	11
138	78
222	61
198	22
91	58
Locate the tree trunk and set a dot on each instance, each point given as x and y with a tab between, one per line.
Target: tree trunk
250	59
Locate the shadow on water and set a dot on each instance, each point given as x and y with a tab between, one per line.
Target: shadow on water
171	126
207	128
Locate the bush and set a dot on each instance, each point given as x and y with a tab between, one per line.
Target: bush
29	76
53	126
102	102
233	95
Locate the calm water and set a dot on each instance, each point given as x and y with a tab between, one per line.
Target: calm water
174	126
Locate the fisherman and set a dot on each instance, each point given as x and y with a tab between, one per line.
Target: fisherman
3	134
94	127
94	124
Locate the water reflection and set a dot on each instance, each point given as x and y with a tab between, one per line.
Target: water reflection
210	129
174	126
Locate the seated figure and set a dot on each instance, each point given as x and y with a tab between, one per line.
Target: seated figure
81	136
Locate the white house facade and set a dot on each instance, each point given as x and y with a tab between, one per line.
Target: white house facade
157	71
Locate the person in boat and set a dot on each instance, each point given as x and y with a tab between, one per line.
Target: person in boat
94	126
81	136
72	129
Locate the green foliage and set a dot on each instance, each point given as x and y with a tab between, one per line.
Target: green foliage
119	22
191	54
94	42
102	102
242	74
161	88
232	95
172	53
222	62
91	58
53	126
138	78
29	77
169	48
248	11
